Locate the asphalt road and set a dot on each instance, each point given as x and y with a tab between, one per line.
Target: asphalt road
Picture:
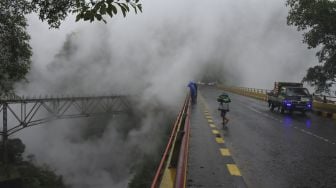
270	149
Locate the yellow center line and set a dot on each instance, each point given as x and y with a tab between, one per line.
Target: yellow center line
233	169
219	140
225	152
210	120
208	117
212	125
215	132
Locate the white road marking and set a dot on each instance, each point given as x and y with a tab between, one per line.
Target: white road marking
315	135
295	127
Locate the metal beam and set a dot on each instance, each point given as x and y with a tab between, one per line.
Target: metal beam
4	133
57	108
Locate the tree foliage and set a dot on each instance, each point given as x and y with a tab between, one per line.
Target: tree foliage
23	173
55	11
317	18
15	51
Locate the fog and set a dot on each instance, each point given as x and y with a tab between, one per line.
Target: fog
152	55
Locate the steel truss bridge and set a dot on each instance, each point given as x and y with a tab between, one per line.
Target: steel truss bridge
27	112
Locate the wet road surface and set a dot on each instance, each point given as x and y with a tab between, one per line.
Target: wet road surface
270	149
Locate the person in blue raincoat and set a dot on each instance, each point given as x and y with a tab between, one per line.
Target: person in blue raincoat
196	88
193	92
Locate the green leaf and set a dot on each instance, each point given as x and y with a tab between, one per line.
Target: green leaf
109	11
135	8
87	16
125	6
140	7
103	9
99	17
123	10
114	9
77	3
97	6
78	17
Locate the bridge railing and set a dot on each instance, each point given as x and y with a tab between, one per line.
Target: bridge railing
325	99
250	92
321	103
173	166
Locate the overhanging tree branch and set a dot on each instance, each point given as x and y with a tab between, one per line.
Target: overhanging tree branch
317	19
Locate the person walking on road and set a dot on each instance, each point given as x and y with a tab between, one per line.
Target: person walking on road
223	107
193	92
196	88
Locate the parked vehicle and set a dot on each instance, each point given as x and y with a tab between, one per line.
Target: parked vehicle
289	97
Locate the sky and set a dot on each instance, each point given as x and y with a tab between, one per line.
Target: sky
153	55
249	41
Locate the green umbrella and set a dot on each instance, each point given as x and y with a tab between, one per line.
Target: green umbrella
224	98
